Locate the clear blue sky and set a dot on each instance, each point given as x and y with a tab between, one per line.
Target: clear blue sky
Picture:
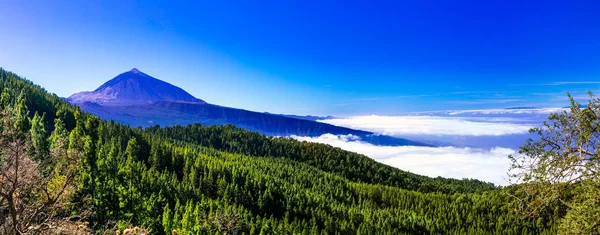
312	57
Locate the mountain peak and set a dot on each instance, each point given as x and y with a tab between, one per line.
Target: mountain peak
134	87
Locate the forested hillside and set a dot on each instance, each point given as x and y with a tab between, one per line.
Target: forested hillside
61	165
349	165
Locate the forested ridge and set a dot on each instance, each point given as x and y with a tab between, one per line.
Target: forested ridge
222	180
352	166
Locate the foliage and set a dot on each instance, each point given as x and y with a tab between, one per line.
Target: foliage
353	166
561	169
31	194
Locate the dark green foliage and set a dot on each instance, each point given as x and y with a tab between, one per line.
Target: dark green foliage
207	180
39	137
350	165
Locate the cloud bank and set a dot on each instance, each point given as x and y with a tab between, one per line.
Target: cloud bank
507	111
488	165
429	125
476	142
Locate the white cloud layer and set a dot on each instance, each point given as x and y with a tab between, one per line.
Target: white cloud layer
507	111
488	165
429	125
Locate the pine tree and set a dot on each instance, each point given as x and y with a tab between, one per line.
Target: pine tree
39	137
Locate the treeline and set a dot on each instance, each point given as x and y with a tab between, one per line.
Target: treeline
224	180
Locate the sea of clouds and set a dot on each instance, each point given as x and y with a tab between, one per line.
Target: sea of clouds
429	125
469	144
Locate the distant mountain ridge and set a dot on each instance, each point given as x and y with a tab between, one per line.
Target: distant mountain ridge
137	99
305	117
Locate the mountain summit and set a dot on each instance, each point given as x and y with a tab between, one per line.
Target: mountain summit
134	87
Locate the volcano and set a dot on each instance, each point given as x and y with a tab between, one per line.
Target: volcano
138	99
134	88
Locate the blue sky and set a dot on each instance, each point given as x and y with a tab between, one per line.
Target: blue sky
311	57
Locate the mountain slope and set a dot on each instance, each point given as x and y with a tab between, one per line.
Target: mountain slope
137	99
